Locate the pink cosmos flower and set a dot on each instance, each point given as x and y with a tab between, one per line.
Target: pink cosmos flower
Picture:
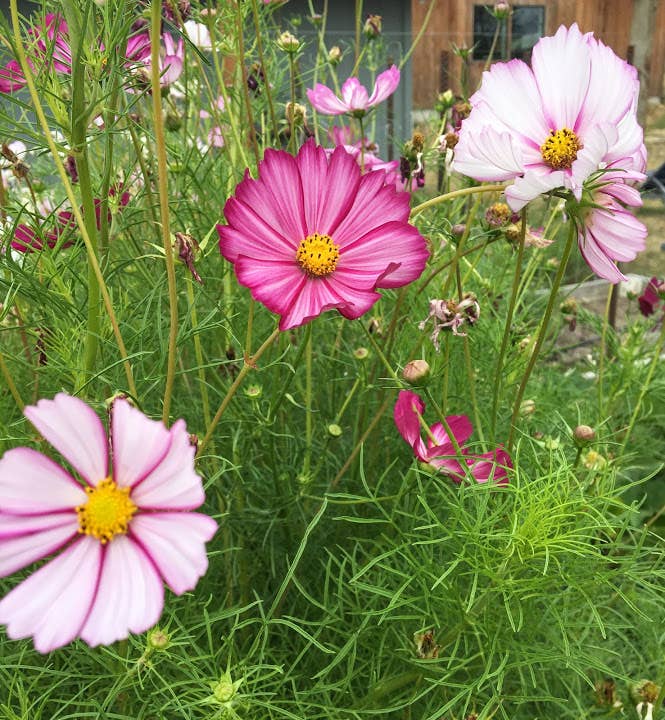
651	298
171	58
122	532
355	99
533	125
311	234
439	452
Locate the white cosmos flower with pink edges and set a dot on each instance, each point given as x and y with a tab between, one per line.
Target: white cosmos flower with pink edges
355	99
532	124
122	532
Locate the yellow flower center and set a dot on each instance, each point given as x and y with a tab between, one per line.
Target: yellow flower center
318	255
106	512
560	149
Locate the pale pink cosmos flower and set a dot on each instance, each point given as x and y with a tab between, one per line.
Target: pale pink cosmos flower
531	125
440	452
171	58
312	233
355	99
123	531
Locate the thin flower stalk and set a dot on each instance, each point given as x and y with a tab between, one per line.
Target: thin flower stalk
243	71
10	383
249	364
259	48
92	257
454	194
572	236
508	324
162	179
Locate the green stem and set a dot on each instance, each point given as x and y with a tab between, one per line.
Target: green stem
454	194
267	87
602	352
245	87
507	326
198	350
645	386
249	364
308	403
420	34
10	383
62	173
162	180
572	234
359	18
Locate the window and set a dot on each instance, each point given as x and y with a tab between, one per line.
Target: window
525	26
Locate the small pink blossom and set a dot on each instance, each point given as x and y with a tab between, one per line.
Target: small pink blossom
312	233
440	451
355	99
171	58
121	532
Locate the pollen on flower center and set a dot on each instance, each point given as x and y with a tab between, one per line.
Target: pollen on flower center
106	512
560	149
318	255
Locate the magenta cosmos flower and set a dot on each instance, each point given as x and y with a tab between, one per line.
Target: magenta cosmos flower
355	99
439	452
651	298
530	125
171	58
122	532
312	234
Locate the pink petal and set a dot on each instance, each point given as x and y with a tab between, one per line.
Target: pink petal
173	484
276	285
356	301
31	483
316	295
393	255
23	540
490	466
407	408
386	84
534	183
175	542
461	428
52	604
329	187
510	91
354	95
620	235
598	260
139	444
562	68
75	431
277	195
130	594
324	100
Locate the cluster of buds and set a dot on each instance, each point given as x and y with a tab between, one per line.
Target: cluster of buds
451	315
372	27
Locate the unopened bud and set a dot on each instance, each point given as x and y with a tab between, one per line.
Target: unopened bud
458	230
296	113
334	55
334	430
569	306
416	372
583	435
361	353
501	10
527	408
288	42
513	232
158	639
418	141
372	27
253	391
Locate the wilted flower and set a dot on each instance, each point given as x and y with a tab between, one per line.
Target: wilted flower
187	248
312	234
372	27
497	214
355	99
651	297
451	314
125	529
440	451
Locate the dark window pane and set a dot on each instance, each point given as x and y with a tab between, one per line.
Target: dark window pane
484	27
528	26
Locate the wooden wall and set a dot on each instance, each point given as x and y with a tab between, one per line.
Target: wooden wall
436	68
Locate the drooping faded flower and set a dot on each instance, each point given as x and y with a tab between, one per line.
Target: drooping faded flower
355	99
451	315
652	297
531	125
440	451
312	234
122	532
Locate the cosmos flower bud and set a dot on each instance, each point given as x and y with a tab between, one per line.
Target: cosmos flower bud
458	230
416	372
158	639
501	10
253	391
583	435
527	408
296	113
334	430
372	27
334	55
288	42
361	353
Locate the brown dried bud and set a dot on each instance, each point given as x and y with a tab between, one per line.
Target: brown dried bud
373	26
187	248
418	141
497	214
